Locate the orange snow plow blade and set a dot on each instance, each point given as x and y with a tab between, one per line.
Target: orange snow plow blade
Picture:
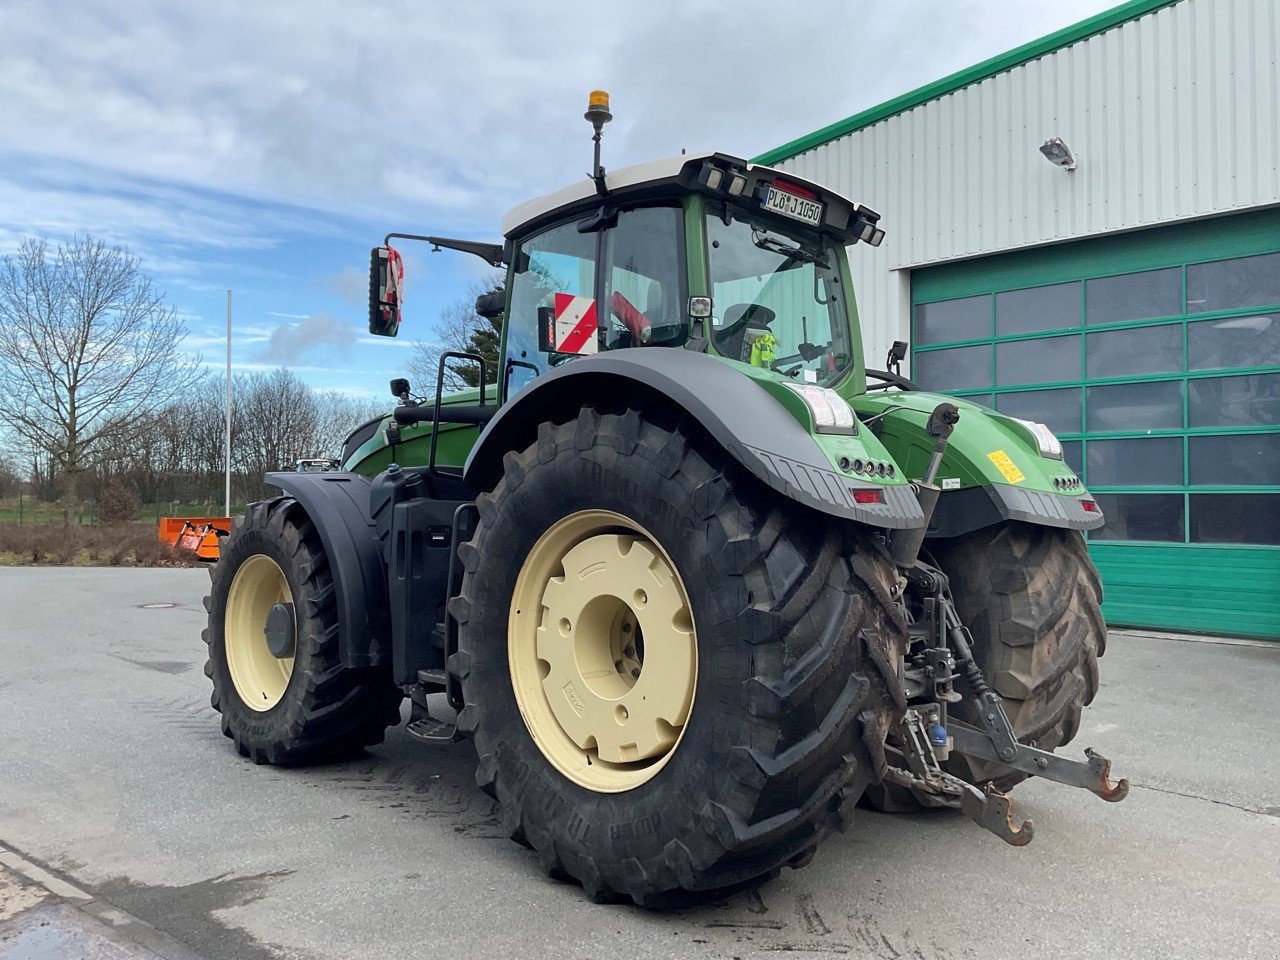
197	534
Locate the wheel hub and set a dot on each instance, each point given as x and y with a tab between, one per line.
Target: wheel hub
259	631
603	650
279	631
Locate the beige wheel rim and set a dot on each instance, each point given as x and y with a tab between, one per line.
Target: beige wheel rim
602	650
259	676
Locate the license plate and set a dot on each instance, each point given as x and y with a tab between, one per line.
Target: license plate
793	205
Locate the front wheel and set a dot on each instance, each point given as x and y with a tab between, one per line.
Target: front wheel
673	680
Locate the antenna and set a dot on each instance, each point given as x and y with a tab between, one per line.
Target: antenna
598	113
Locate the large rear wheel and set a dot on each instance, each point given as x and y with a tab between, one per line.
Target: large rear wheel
283	692
674	680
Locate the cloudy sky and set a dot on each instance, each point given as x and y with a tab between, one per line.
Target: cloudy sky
266	146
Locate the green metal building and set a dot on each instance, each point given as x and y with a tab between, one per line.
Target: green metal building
1086	231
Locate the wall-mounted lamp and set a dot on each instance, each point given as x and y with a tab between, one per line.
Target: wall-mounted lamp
1058	153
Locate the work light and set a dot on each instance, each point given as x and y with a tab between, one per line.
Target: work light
1048	443
830	412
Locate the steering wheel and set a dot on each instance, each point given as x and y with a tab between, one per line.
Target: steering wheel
729	337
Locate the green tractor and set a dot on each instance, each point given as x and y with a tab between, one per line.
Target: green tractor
692	579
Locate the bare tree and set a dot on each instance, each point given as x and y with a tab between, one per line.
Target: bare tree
10	480
462	330
86	346
337	414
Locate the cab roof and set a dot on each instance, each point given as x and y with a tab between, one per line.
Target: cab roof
634	180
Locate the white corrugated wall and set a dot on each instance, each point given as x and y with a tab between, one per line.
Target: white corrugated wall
1171	116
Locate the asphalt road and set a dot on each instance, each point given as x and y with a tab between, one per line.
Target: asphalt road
114	777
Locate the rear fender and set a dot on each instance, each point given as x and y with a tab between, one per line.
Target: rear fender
730	405
338	505
992	470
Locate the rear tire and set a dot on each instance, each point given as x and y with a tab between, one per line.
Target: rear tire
314	709
797	641
1032	599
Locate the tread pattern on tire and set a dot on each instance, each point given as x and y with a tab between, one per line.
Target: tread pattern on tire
810	612
329	711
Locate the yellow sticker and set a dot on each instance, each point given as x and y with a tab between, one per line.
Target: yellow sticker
1006	466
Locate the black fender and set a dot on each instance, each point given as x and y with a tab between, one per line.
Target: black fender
338	504
750	425
963	511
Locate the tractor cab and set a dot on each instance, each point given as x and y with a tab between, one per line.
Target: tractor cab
704	252
707	253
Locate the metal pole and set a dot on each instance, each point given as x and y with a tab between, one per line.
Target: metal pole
228	438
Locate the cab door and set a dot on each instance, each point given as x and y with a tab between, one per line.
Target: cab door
574	294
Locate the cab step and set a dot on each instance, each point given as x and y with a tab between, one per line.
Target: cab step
433	730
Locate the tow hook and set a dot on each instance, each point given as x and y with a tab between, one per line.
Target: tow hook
1093	775
988	807
993	810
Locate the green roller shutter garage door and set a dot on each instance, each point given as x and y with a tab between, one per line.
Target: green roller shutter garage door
1155	357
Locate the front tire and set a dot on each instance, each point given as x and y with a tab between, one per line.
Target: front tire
792	641
297	703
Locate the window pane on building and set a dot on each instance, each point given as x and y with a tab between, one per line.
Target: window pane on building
1243	459
1234	284
966	319
1234	342
1134	296
1038	361
1122	353
1135	406
1071	456
1244	401
1040	308
1235	518
959	369
1140	516
1144	462
982	400
1059	409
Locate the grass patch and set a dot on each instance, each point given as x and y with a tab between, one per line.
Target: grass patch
88	545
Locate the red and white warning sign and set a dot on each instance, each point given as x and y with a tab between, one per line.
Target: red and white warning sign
575	325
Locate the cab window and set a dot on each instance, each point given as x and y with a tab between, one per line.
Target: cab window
776	295
560	260
642	278
638	296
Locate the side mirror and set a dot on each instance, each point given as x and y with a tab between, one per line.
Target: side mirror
386	291
897	353
400	388
490	305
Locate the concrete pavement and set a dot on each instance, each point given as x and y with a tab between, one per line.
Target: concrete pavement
114	777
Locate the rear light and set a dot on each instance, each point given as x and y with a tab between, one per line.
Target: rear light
795	188
867	496
1089	506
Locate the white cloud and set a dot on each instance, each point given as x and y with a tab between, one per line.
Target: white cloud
320	333
402	113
